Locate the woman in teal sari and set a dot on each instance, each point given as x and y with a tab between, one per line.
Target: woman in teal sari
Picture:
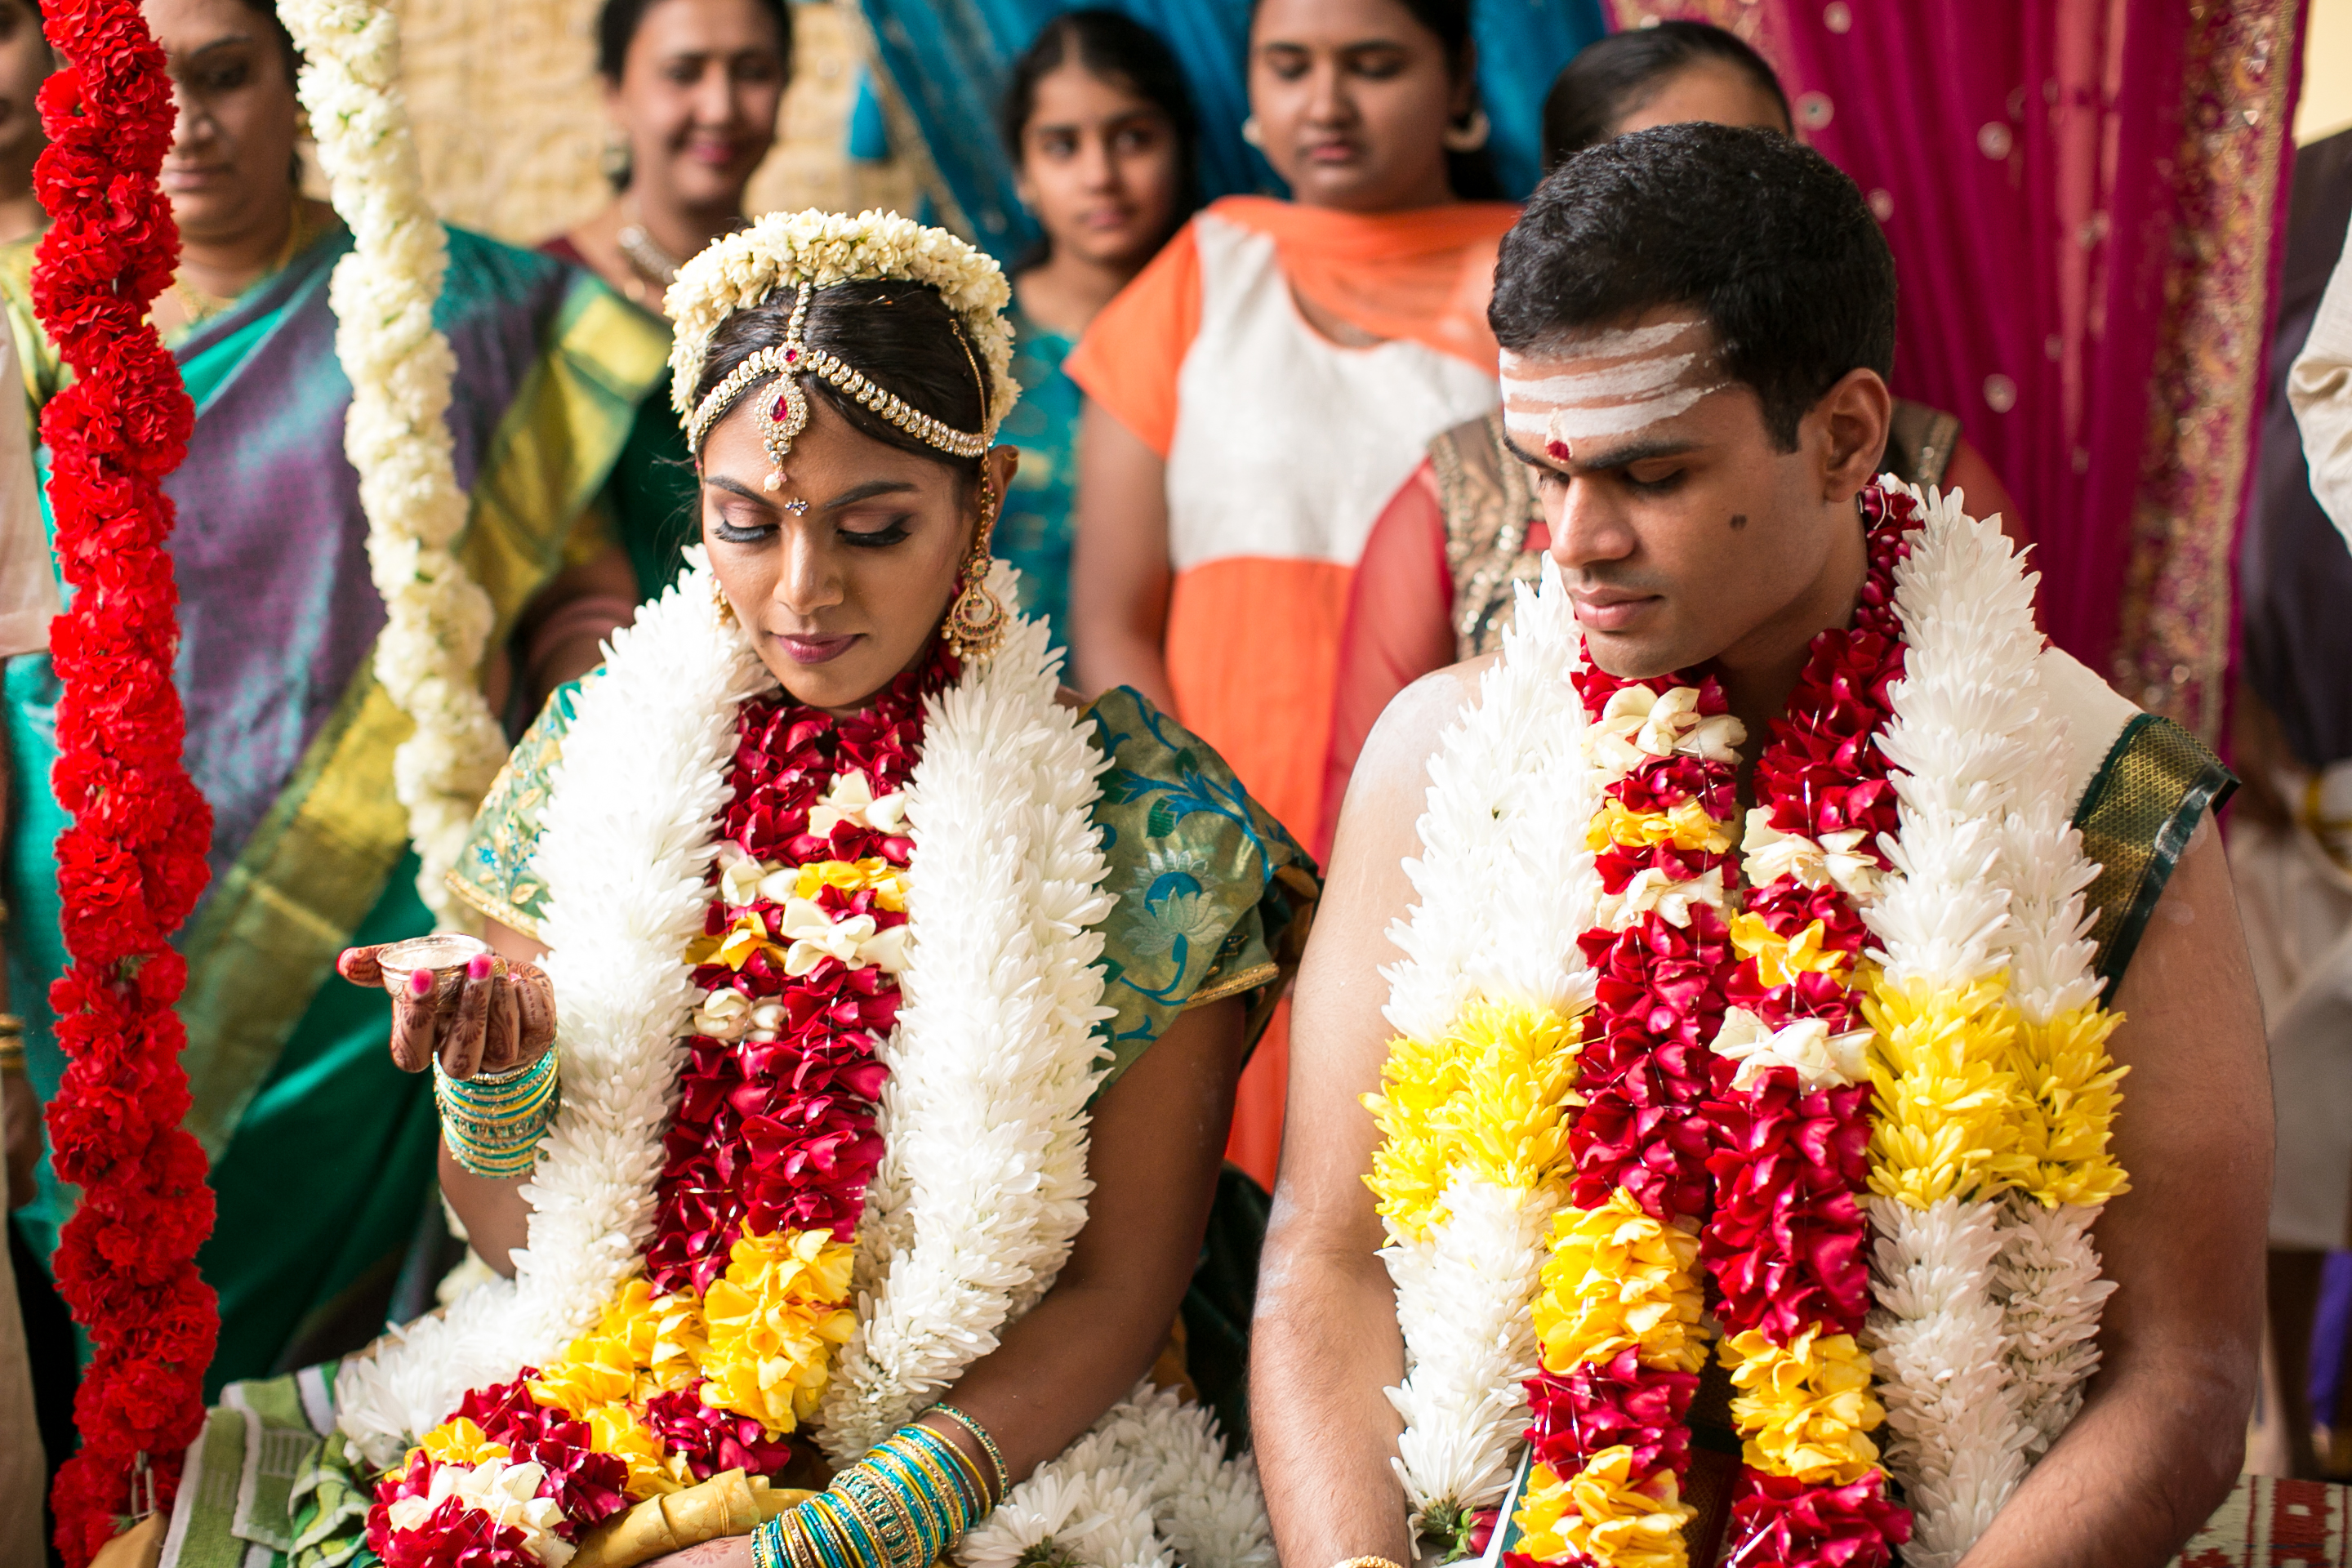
1103	142
322	1152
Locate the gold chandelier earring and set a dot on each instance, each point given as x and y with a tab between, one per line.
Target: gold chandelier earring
977	619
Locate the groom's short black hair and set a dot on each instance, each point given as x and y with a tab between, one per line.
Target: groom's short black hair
1763	234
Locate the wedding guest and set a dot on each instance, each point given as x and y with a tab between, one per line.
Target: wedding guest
692	88
1261	389
321	1150
1103	141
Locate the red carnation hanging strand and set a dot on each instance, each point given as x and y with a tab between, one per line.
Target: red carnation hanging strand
131	866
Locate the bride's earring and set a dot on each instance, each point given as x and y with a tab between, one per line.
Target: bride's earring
719	601
977	619
1252	134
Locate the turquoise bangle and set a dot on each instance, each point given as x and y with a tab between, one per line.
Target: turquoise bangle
988	1444
493	1122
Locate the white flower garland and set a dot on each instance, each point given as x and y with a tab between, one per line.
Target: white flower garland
437	619
995	1041
1506	774
984	1183
1986	1306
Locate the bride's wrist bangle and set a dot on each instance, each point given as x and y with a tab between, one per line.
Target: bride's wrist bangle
987	1446
492	1122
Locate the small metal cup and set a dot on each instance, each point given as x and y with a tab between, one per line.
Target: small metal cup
445	954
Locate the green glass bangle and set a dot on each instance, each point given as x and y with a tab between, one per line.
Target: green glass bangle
938	1483
987	1443
884	1516
493	1123
918	1487
767	1547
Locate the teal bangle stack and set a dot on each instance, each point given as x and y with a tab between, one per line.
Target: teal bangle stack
492	1122
902	1506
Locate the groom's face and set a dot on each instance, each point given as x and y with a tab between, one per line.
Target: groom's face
1680	526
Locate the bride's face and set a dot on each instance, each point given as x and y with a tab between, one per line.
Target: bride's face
843	574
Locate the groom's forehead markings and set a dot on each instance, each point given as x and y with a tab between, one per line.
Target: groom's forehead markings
1640	375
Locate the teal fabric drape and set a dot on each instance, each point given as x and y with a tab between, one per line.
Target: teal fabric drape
948	60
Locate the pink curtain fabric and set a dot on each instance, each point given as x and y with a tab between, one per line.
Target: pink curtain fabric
2083	198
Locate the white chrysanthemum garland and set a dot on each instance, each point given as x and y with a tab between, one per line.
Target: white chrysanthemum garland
820	249
1486	1003
437	618
1981	930
996	1038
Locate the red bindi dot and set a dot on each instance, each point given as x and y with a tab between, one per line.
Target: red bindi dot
1558	449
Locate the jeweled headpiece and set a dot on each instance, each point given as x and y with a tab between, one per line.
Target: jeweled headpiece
812	250
788	415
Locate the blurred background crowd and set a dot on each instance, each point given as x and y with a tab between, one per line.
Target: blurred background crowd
1260	477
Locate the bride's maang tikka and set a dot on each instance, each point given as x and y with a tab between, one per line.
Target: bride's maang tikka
787	362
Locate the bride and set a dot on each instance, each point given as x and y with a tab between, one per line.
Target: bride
841	1102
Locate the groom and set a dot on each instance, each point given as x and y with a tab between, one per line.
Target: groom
1697	324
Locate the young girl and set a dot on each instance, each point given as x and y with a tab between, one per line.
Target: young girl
1102	137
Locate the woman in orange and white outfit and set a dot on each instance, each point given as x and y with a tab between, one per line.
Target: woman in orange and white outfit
1261	390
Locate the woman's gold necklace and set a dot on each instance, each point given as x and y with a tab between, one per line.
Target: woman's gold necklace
200	307
655	268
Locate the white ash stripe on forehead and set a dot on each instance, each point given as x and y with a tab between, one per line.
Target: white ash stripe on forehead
1648	383
1539	429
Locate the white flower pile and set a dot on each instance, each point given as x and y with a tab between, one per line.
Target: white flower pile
1506	885
438	619
1146	1487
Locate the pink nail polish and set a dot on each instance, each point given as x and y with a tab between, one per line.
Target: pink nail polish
479	966
420	982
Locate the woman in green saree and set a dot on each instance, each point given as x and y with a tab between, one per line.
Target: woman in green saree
322	1151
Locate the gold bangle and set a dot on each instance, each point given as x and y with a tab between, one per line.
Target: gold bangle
1364	1562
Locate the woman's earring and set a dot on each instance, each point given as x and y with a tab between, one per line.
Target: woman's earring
1252	134
613	161
976	620
1469	136
720	600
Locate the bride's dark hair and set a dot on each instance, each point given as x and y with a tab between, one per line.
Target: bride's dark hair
901	336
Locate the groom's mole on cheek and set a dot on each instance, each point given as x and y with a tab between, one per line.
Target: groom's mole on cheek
1738	520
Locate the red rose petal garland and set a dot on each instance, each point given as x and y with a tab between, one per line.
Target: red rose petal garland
767	1156
1788	1246
131	866
1618	1314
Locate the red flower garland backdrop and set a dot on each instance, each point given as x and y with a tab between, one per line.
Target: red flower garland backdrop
130	868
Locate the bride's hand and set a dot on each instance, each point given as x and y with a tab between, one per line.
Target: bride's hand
494	1018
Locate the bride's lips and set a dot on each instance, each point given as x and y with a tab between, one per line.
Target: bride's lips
1610	611
812	650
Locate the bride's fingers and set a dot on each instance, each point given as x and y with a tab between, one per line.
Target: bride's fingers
466	1031
412	1023
502	1048
534	997
360	966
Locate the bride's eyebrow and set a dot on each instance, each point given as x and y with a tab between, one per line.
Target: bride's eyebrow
867	492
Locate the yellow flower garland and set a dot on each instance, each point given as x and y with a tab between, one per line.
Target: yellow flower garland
1805	1407
1598	1514
1617	1278
1489	1102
